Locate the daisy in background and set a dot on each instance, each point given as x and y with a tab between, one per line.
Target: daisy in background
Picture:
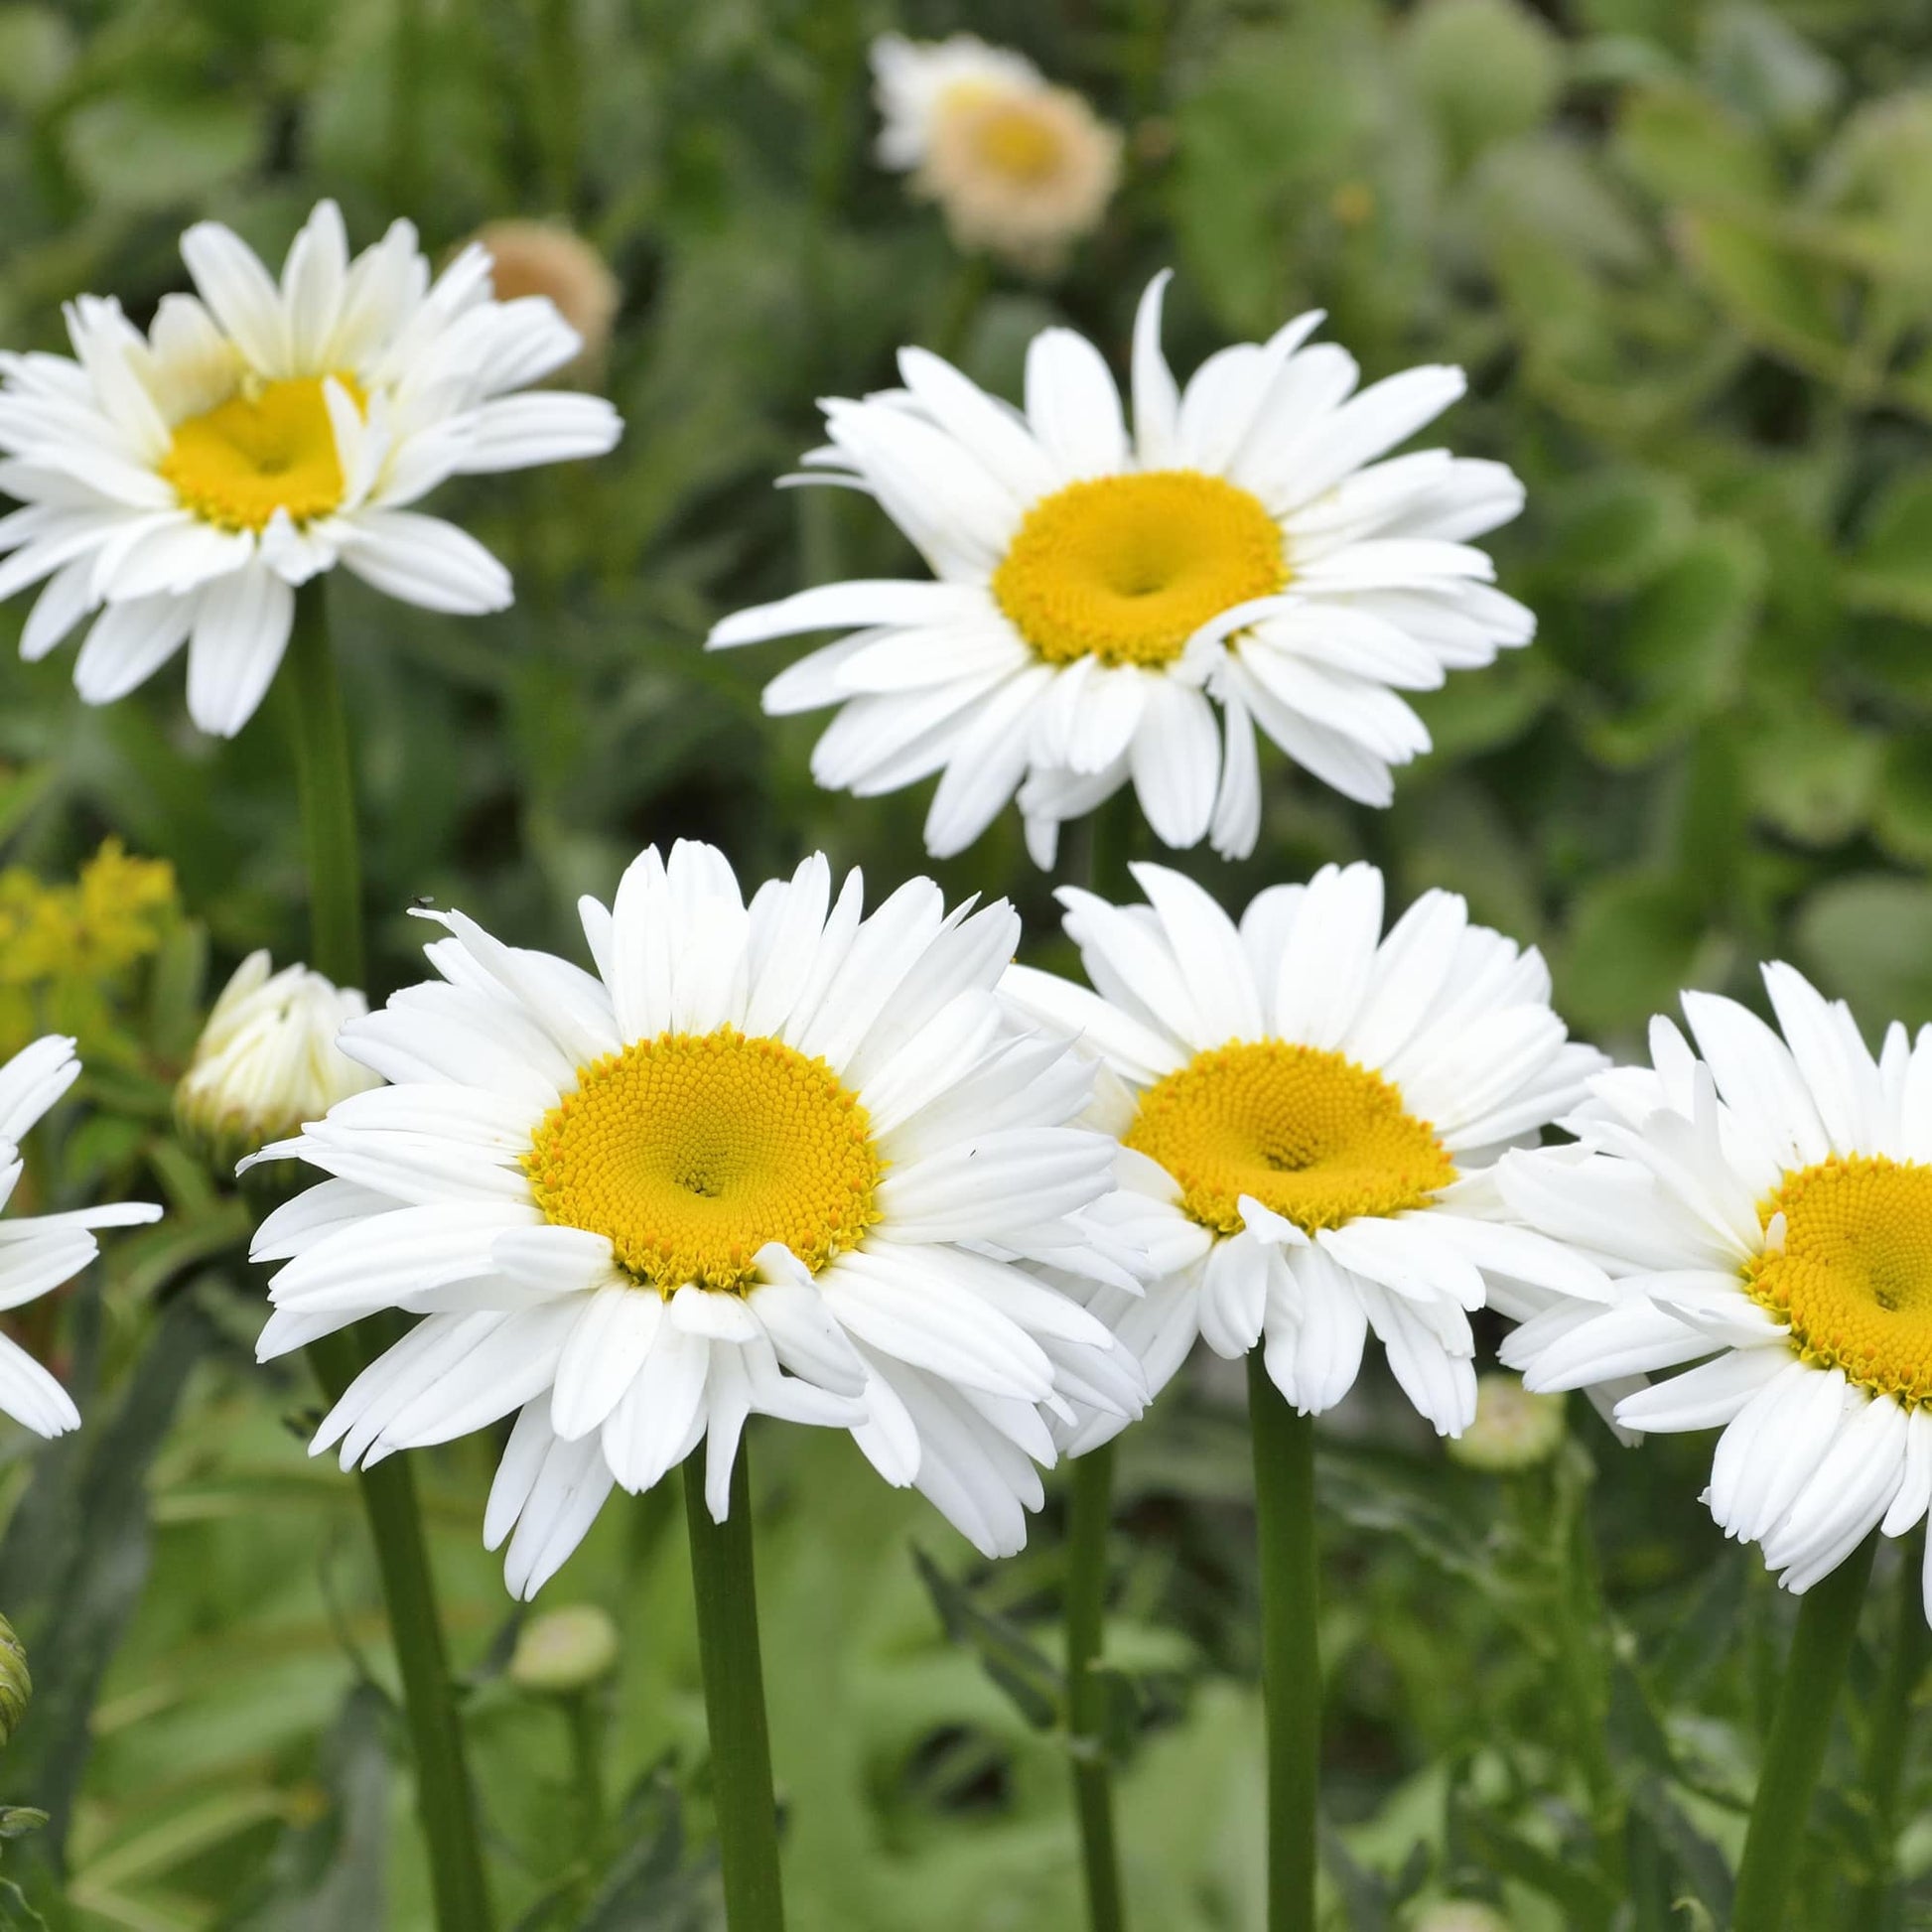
1314	1111
783	1158
1108	609
1019	168
183	483
1764	1208
40	1252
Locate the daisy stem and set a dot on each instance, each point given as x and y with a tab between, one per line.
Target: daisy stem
444	1797
1291	1670
1820	1648
734	1700
1090	1499
1885	1759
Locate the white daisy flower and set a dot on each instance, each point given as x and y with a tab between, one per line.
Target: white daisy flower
776	1158
1096	596
1314	1112
183	483
1018	167
1764	1208
40	1252
267	1061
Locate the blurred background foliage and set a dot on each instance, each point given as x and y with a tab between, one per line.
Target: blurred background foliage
1681	249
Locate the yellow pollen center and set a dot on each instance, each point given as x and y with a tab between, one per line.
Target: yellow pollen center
691	1151
270	447
1014	141
1854	1277
1127	568
1306	1132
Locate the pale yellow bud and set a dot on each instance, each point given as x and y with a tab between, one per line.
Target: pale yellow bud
565	1651
1461	1915
267	1061
1513	1429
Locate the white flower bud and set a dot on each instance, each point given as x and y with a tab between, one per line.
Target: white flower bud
267	1061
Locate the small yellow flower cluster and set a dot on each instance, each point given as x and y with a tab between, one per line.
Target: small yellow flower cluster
67	951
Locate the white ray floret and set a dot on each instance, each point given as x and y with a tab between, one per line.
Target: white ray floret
780	1157
178	486
1110	608
1311	1114
41	1252
1762	1201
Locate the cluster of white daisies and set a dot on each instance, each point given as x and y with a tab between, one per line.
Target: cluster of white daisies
780	1154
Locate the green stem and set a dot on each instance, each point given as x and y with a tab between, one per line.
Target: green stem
325	784
558	101
734	1700
584	1711
444	1796
1090	1495
409	58
1291	1671
1828	1625
1885	1761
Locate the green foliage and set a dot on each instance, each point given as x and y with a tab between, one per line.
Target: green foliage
1681	250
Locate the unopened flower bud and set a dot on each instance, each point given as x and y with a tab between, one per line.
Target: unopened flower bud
565	1651
1513	1429
548	259
1461	1915
16	1687
267	1061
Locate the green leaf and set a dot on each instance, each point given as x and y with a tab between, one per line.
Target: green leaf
1629	949
138	154
1488	70
1868	939
16	1821
1891	570
1773	294
1034	1682
329	1873
1689	150
15	1915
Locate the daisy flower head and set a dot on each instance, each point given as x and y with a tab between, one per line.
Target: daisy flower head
1762	1204
1315	1110
1019	168
41	1252
781	1157
182	482
1108	609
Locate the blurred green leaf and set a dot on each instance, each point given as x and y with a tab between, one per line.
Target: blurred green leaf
1868	939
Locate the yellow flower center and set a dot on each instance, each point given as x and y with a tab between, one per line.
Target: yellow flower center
1127	568
691	1151
1013	140
1854	1277
1306	1132
271	447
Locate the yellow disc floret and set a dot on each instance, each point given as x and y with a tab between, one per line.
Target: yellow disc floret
1017	141
270	447
691	1151
1127	568
1853	1279
1307	1133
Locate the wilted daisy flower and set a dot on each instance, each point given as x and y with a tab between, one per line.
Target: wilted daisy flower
1765	1208
782	1159
548	259
189	478
1317	1111
267	1061
1018	167
38	1252
1097	597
